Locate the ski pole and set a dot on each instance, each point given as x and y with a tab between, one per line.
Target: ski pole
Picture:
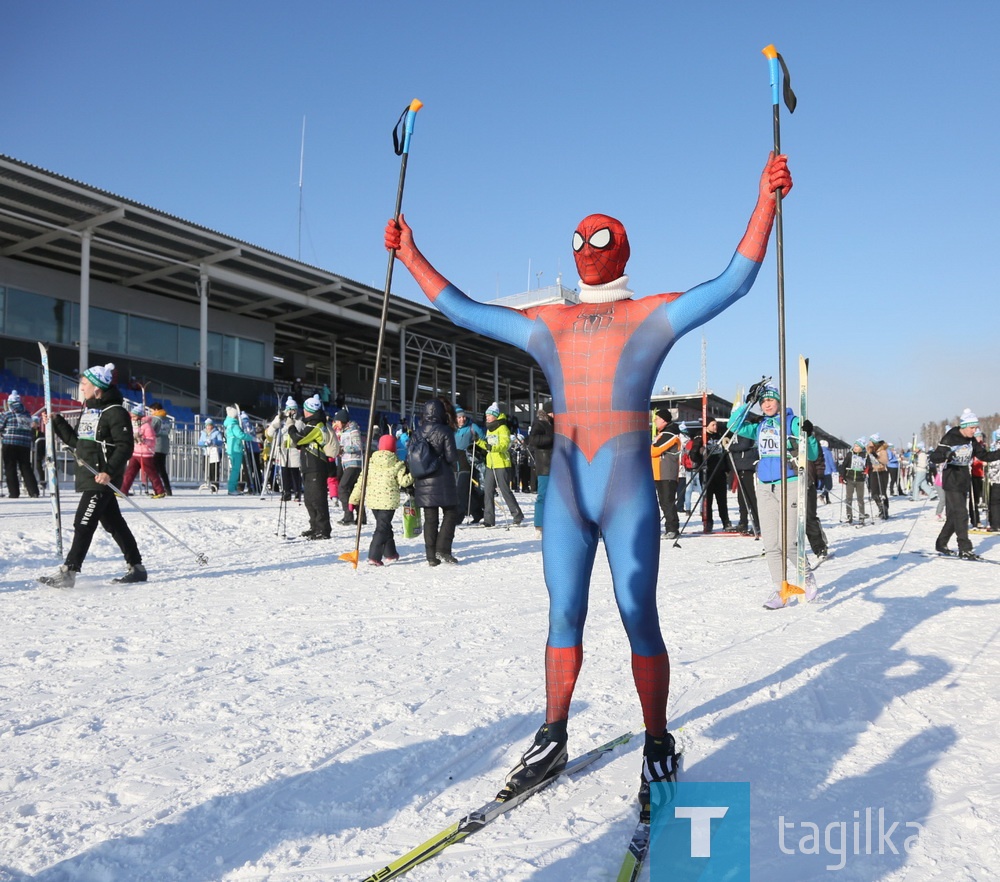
471	456
402	148
908	532
198	555
503	499
774	61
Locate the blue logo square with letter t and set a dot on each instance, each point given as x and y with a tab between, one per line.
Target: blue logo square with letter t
700	833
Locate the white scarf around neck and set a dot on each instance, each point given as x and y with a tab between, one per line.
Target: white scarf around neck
606	293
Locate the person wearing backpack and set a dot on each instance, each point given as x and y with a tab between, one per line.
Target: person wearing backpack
436	491
311	442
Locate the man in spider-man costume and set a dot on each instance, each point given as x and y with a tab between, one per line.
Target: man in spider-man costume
601	358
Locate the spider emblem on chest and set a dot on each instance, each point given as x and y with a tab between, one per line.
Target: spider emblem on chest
591	322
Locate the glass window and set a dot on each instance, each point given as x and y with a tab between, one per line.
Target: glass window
107	330
214	351
250	361
38	317
188	346
229	353
150	338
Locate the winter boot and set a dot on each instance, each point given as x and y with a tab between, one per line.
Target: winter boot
136	573
775	601
64	577
545	759
970	555
659	766
812	589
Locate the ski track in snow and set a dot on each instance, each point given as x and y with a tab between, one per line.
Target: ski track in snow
277	715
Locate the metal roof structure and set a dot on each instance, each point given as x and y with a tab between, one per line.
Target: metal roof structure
45	216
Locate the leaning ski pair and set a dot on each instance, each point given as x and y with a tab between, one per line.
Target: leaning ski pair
51	475
476	820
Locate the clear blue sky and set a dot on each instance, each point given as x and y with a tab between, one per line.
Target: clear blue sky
538	113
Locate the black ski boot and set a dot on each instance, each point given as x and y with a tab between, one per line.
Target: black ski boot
659	766
546	758
136	573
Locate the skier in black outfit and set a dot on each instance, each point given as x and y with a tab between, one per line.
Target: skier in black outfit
541	437
314	466
956	451
103	439
715	473
744	455
437	493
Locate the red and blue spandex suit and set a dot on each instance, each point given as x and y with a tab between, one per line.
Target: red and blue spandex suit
601	360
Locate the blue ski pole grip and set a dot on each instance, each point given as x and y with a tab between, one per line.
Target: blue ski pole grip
772	66
411	116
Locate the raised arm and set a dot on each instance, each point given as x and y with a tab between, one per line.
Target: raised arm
705	301
498	322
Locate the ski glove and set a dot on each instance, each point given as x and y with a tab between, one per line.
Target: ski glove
807	427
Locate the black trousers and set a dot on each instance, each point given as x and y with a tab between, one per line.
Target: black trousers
348	479
18	457
439	541
100	507
291	482
463	479
383	542
666	493
160	460
746	492
956	520
814	530
317	501
878	487
716	490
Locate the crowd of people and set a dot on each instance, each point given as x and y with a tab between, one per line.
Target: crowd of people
312	453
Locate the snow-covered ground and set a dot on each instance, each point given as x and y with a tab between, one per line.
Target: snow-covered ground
278	715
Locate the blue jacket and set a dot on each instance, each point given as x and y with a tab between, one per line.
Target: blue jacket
767	433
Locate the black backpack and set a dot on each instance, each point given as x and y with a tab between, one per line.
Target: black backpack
421	458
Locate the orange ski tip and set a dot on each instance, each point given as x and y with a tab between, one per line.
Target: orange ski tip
416	104
769	51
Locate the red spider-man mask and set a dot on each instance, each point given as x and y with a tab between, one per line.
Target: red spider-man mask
600	247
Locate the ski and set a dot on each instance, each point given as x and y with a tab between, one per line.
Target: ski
476	820
757	556
51	475
638	846
802	565
937	554
635	854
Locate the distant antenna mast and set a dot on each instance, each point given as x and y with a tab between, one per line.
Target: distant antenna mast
302	162
703	385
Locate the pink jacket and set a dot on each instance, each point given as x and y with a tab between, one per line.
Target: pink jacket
145	438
